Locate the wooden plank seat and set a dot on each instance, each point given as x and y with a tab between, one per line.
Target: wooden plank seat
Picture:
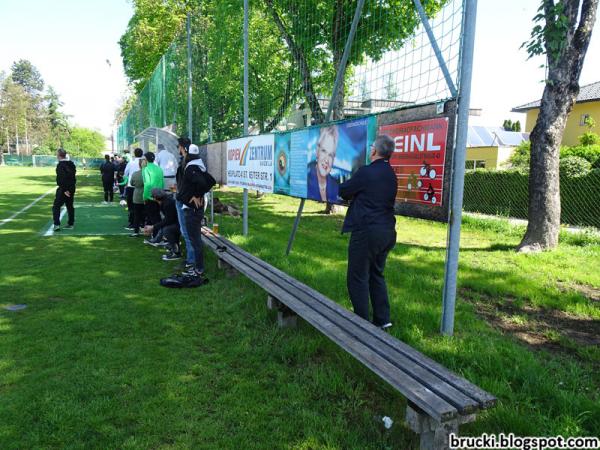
438	399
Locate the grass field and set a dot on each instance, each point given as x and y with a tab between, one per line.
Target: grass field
104	358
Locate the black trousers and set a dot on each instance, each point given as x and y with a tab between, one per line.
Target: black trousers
129	197
108	189
172	233
152	212
138	217
61	199
193	224
367	253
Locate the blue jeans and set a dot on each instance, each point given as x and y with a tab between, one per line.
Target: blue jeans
190	257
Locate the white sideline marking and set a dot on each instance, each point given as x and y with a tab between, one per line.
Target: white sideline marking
5	221
50	231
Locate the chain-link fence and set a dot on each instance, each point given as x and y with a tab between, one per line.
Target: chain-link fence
49	161
505	193
296	50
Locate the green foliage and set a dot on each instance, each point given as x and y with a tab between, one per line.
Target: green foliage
84	142
27	76
549	34
505	193
589	122
509	125
574	166
520	156
589	138
589	152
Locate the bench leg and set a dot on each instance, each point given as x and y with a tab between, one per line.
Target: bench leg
229	270
286	318
433	435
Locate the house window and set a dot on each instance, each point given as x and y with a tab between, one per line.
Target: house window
583	119
480	164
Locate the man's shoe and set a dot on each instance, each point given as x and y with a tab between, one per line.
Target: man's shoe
150	242
386	326
69	227
134	235
56	228
129	228
171	256
192	281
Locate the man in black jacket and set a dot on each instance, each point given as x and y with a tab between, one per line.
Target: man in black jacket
65	192
370	219
107	169
195	182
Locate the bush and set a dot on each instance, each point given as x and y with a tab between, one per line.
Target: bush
574	166
589	138
520	157
588	152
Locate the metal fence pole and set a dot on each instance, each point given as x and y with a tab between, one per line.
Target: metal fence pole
212	192
245	209
458	178
189	64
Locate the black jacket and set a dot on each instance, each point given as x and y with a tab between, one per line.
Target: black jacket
167	207
193	181
65	176
108	171
372	190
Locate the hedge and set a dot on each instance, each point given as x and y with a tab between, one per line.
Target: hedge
505	193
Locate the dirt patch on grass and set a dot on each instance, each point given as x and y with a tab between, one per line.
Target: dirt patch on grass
539	328
589	292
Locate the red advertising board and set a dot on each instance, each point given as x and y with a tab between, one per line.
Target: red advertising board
418	159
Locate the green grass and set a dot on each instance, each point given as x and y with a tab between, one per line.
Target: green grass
103	357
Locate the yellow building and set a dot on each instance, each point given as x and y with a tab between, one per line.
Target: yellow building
586	105
491	147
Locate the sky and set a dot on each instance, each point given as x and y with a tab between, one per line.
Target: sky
69	41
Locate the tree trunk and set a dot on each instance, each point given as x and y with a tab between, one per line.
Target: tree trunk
562	87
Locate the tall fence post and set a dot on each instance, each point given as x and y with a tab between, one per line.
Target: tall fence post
245	209
458	176
189	67
212	192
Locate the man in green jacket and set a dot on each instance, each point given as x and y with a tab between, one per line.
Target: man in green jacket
153	179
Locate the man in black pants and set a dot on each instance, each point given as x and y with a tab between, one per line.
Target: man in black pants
195	183
131	167
169	225
65	192
370	219
107	169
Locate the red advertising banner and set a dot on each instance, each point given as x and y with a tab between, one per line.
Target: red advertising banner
418	159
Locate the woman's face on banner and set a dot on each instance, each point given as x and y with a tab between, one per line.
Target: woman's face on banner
326	154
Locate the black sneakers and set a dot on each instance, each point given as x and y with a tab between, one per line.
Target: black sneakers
190	279
171	256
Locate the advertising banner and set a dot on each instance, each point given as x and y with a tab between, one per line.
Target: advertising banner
419	159
250	162
311	163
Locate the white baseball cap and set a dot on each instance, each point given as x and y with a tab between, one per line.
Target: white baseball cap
194	150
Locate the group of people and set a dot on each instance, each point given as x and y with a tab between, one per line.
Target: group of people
166	199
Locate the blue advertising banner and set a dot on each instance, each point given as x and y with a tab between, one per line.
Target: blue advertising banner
311	163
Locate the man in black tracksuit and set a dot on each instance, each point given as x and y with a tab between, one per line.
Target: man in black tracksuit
370	219
107	169
65	192
195	182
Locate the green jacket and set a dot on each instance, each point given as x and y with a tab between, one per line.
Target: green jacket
153	178
138	183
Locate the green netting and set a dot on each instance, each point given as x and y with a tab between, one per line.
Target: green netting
295	48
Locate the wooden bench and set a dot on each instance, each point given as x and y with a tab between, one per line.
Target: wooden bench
438	399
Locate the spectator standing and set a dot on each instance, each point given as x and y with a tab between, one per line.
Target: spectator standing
183	146
153	179
131	167
107	169
371	221
168	163
65	192
137	198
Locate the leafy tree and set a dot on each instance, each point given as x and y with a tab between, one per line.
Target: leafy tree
83	142
27	76
509	125
520	156
574	166
562	33
58	122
